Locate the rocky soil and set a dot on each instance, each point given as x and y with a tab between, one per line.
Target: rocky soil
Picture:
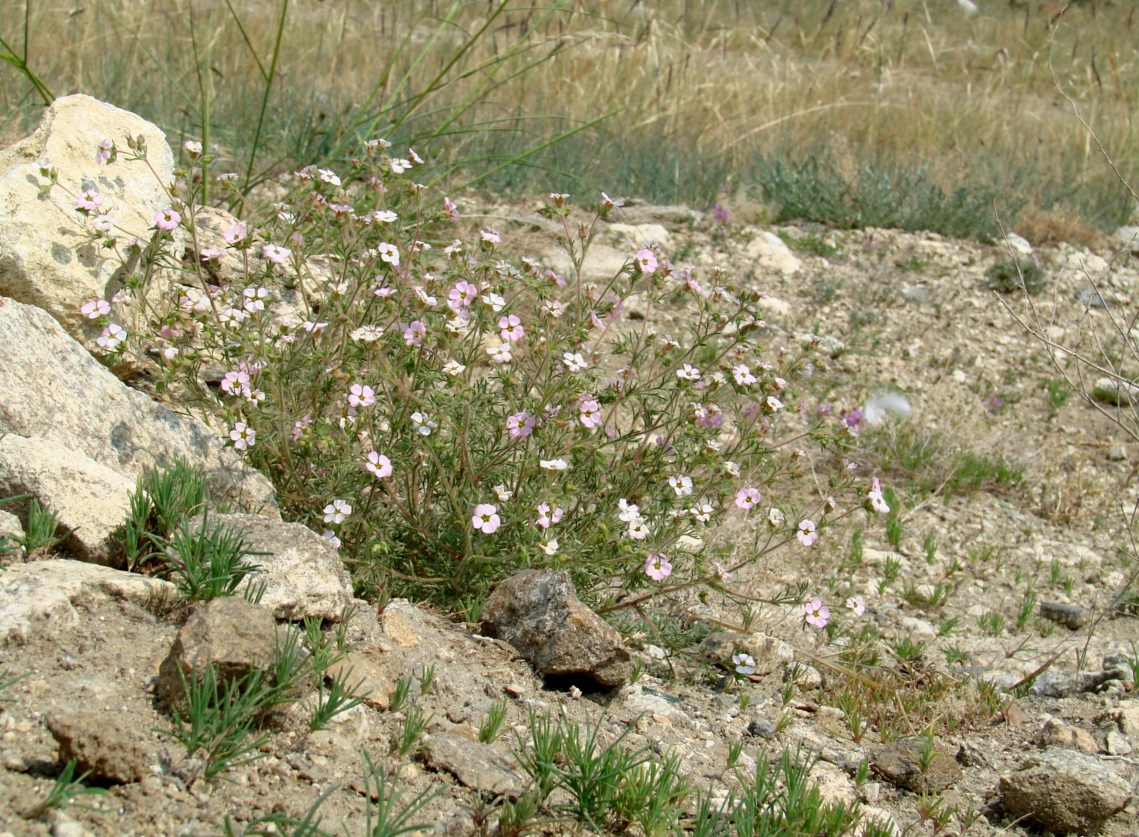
895	312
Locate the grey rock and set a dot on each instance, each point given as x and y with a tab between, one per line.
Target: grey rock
649	214
602	262
478	766
1117	453
641	235
900	763
1064	791
230	634
1127	238
1070	616
29	606
100	743
539	613
107	421
1117	743
368	673
970	755
1111	391
761	728
90	499
772	253
11	536
1055	733
302	572
90	584
1068	683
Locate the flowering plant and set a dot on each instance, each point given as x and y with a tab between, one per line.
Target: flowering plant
454	415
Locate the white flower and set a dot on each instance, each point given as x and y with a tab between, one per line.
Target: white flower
688	373
628	511
422	424
554	465
681	484
389	253
774	404
549	547
367	333
857	605
500	354
112	336
453	368
276	253
336	511
574	361
330	536
493	301
744	663
502	493
243	436
702	512
638	529
776	518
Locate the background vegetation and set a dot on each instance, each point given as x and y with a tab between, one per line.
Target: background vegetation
671	101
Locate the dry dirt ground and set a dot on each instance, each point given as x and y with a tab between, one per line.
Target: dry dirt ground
903	313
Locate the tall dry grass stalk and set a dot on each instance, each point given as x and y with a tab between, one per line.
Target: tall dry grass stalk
688	93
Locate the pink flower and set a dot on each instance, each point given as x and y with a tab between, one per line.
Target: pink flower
462	295
816	613
103	223
360	395
235	234
95	309
379	465
167	219
413	334
520	425
104	151
300	426
807	534
646	260
657	566
88	200
747	498
235	383
452	212
547	518
511	328
486	519
857	605
590	413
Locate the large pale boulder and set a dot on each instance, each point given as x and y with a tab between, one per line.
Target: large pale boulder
56	391
90	499
46	256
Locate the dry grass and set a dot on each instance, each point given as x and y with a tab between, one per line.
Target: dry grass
696	90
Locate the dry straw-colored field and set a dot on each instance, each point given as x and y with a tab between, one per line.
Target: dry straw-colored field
675	100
